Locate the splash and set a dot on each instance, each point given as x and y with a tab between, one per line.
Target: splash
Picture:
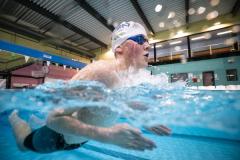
141	99
135	78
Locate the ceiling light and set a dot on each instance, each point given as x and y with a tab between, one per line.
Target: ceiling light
157	46
229	41
225	32
201	10
217	23
177	48
175	42
161	24
115	24
212	15
151	41
109	21
214	2
197	38
191	11
176	23
207	35
171	15
236	29
158	8
180	32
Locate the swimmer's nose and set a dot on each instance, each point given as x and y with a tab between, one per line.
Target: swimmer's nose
146	55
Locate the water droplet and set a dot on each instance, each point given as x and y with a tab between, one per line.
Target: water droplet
39	104
13	99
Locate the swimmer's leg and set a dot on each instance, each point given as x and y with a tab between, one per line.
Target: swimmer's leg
36	121
20	129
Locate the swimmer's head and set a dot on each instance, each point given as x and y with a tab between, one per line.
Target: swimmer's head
124	31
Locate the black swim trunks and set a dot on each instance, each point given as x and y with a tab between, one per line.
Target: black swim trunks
46	140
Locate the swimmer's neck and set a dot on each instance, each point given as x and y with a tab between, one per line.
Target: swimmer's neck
122	65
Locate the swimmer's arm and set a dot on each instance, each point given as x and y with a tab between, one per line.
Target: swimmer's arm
121	134
61	121
87	73
81	75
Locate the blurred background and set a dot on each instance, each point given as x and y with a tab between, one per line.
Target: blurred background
191	40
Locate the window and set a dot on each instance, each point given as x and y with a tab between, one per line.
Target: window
179	77
231	75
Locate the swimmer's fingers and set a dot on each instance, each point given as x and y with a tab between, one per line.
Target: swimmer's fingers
139	142
129	137
160	130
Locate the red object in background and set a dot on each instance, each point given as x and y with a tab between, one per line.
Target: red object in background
194	79
24	77
57	72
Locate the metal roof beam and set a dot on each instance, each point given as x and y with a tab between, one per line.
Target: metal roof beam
59	20
37	36
235	8
186	13
142	15
94	13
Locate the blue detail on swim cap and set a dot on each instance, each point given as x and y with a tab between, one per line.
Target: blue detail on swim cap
140	39
122	25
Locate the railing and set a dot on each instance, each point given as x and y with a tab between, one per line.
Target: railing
207	50
211	49
173	55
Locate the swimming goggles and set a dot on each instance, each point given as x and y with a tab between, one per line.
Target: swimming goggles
140	39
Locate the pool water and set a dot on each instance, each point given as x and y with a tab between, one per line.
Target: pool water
205	124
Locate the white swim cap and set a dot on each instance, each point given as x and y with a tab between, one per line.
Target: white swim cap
125	30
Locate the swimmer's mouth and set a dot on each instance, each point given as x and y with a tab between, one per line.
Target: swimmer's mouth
146	55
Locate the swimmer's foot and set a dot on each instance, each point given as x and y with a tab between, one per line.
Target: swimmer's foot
13	116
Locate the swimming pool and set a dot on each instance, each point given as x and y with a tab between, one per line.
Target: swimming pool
205	124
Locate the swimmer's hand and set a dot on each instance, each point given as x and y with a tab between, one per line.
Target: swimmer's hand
160	130
128	137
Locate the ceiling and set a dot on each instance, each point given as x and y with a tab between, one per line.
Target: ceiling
85	25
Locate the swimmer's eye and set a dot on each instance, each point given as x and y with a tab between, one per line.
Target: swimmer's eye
140	39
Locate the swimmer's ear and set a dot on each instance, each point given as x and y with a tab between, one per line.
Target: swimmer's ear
118	50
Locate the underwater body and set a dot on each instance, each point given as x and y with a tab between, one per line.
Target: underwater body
205	124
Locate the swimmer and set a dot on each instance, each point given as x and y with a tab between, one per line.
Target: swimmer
68	129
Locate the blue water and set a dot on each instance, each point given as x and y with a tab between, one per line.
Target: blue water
205	124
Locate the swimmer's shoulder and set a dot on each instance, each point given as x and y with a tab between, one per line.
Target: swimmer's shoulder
99	66
94	69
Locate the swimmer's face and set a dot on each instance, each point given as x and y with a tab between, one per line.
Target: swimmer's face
136	54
